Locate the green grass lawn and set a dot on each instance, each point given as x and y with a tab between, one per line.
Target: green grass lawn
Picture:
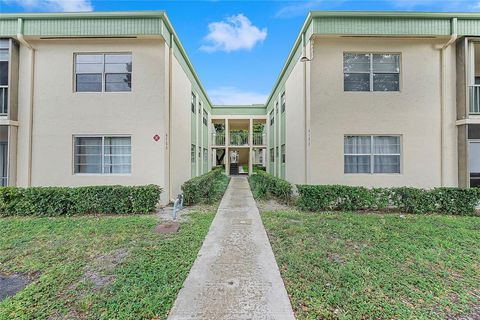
373	266
110	267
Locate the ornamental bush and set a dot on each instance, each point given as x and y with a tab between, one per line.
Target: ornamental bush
266	186
59	201
206	188
454	201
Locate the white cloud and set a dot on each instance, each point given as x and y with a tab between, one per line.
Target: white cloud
235	33
53	5
235	96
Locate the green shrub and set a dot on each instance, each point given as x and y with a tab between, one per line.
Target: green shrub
337	197
413	200
455	201
58	201
266	186
206	188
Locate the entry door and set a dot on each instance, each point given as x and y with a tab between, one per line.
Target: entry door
234	157
474	164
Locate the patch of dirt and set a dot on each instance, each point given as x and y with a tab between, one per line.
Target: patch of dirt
165	214
99	272
473	315
271	205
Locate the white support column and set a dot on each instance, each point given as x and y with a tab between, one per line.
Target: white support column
227	143
250	143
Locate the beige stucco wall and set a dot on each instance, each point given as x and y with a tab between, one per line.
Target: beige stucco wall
181	127
413	113
295	125
60	113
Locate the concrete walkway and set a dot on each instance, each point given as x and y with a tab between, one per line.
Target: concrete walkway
235	275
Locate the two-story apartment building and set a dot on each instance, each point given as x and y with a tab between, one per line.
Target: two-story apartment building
364	98
99	98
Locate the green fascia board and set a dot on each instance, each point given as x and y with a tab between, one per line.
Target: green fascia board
103	24
241	110
382	26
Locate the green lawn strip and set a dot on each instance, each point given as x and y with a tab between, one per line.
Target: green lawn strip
60	254
372	266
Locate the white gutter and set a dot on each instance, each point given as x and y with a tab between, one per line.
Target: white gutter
453	38
169	138
305	110
24	42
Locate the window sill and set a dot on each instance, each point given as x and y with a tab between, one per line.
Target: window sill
102	174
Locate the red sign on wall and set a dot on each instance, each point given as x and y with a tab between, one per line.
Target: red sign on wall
156	138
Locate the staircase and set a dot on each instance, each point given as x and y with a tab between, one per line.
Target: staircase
234	169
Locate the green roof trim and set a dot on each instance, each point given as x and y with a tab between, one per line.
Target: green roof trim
239	110
103	24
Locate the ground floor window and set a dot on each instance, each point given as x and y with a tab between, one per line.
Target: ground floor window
192	154
103	154
474	163
372	154
272	155
283	153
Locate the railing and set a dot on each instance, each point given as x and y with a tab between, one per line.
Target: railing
238	139
259	139
475	99
3	100
218	139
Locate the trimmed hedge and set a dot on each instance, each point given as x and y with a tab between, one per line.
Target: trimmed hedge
454	201
58	201
266	186
206	188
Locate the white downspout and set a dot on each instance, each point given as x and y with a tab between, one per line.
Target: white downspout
170	90
24	42
453	38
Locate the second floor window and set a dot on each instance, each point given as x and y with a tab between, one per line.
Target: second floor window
205	118
284	102
103	72
272	118
371	72
4	61
194	102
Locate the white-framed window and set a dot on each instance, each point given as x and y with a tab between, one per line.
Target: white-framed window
103	72
205	118
4	66
283	154
283	102
205	155
372	154
272	117
102	154
192	154
272	155
371	71
194	102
